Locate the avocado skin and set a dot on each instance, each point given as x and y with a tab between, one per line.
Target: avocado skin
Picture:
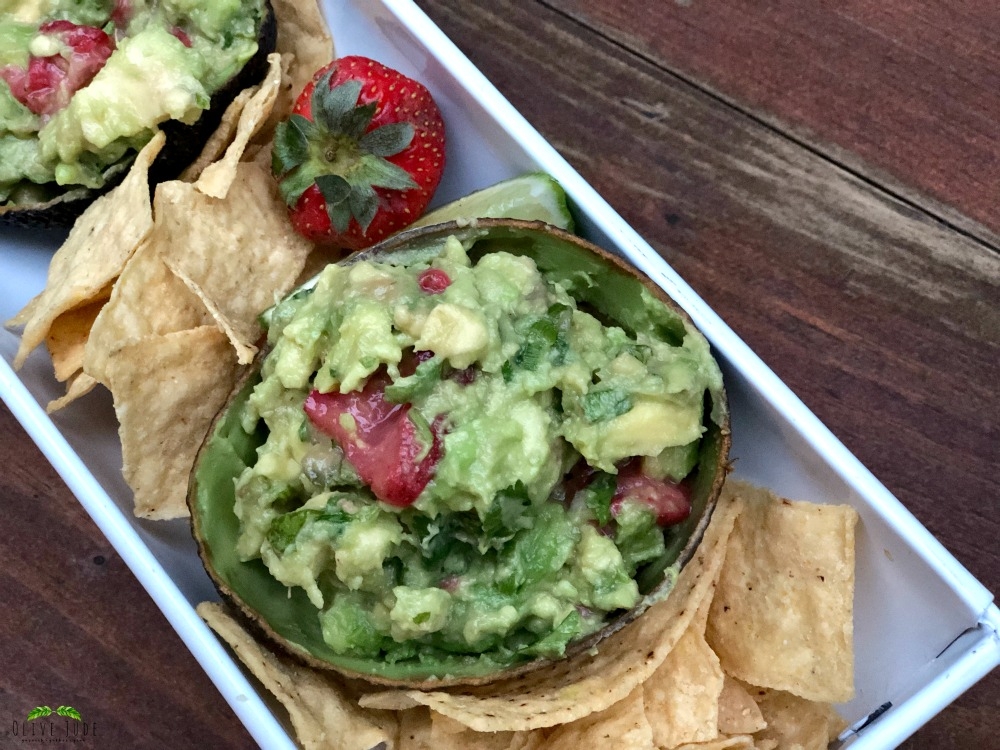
184	143
284	618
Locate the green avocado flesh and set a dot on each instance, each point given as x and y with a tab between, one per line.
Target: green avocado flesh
169	57
546	371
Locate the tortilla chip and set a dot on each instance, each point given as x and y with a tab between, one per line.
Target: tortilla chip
533	740
794	723
244	352
82	268
68	335
217	178
242	251
623	726
415	730
221	137
738	712
782	616
421	729
682	695
302	32
736	742
147	300
389	700
587	683
79	385
166	391
320	710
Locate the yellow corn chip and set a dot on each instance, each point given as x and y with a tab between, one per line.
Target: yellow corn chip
738	712
623	726
79	385
682	695
148	299
320	709
100	243
736	742
221	137
216	179
68	335
471	740
242	252
794	723
302	32
782	616
167	389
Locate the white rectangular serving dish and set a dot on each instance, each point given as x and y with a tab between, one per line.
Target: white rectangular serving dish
925	629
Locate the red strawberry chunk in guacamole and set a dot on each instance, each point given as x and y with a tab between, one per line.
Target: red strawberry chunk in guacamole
379	439
671	502
48	83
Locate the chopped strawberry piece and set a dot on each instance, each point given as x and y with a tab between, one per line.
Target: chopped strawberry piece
382	443
178	32
433	280
122	13
48	83
671	502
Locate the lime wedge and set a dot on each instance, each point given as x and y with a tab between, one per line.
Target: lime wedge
532	197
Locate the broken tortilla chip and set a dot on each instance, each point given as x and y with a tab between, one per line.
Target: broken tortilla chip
147	300
68	335
738	712
736	742
682	695
782	616
167	389
82	268
79	385
321	712
221	137
623	725
216	179
795	723
302	33
241	260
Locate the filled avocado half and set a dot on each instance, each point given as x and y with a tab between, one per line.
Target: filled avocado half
463	453
85	84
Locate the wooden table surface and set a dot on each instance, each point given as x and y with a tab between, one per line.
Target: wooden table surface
825	175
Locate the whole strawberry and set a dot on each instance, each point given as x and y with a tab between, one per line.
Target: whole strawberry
361	154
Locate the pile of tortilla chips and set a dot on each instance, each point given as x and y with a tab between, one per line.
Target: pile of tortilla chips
749	651
158	300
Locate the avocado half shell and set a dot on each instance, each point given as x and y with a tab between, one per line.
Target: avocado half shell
183	144
287	619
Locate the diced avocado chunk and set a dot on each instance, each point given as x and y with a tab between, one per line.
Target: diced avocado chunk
673	463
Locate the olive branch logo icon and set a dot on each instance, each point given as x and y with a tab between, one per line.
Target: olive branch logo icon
40	712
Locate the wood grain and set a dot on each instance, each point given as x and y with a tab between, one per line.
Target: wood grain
906	93
883	319
77	628
845	235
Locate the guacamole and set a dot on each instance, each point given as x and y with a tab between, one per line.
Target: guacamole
84	84
456	457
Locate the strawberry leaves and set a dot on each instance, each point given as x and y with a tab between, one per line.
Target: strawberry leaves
361	155
336	152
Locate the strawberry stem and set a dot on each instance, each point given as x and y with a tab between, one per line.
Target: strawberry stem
337	152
